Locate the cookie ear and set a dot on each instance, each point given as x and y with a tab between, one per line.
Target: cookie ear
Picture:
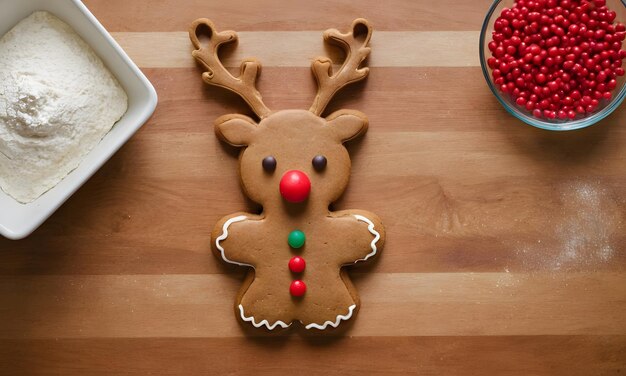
347	124
237	130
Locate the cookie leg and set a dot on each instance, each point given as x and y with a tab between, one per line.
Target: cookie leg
334	304
261	308
333	321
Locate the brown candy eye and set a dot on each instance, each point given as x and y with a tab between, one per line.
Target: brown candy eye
319	162
269	163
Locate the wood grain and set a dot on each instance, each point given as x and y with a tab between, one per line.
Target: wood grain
272	15
421	304
471	355
506	245
299	48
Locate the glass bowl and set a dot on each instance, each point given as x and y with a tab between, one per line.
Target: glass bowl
606	106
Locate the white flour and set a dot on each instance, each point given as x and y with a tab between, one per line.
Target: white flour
581	235
57	101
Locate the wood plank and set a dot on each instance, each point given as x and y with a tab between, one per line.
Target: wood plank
299	48
523	355
443	227
405	304
458	155
406	99
438	226
259	15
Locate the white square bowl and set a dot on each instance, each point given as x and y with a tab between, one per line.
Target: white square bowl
20	220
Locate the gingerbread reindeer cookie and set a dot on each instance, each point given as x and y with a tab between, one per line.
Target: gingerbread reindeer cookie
294	164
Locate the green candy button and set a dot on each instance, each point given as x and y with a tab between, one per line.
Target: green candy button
296	239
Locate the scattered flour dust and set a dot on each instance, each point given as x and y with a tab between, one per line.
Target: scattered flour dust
578	237
57	101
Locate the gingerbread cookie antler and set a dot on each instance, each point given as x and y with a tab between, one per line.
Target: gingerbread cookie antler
294	164
355	45
217	75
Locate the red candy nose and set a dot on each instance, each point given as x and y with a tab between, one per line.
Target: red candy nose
295	186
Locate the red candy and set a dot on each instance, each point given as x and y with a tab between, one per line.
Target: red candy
557	59
295	186
297	288
297	264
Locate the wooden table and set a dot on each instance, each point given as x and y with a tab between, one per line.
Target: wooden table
506	249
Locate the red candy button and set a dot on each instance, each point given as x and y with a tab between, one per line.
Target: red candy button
297	264
297	288
295	186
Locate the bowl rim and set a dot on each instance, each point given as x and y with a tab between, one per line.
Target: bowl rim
528	119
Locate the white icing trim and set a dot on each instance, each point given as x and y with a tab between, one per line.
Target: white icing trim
225	235
333	324
370	228
284	325
263	322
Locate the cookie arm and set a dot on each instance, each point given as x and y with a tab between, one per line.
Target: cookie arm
363	235
233	238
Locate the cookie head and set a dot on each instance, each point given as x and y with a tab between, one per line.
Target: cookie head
293	156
